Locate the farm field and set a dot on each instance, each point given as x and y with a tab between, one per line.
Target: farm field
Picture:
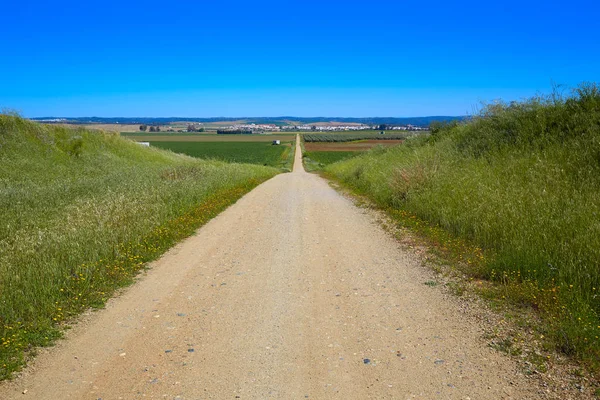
239	152
354	136
204	137
319	154
361	145
108	127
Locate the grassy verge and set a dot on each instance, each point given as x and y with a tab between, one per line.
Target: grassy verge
82	212
287	156
518	184
317	160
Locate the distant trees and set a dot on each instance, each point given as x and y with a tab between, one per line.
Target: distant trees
382	127
155	128
194	128
143	128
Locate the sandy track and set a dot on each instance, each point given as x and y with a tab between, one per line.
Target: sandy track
291	293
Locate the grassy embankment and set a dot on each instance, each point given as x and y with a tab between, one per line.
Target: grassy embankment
512	197
316	160
82	212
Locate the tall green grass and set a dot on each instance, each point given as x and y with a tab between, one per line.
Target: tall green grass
82	211
521	181
317	160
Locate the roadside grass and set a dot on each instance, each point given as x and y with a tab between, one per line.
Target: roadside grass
316	160
512	195
82	212
238	152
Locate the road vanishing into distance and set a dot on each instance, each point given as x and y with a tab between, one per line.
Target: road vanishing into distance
291	293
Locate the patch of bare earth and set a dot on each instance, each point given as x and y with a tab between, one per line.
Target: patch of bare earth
348	146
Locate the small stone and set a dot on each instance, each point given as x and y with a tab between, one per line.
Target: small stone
25	391
180	314
122	354
168	351
366	361
190	350
438	362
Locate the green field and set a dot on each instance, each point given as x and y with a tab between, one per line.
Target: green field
520	183
204	137
82	212
239	152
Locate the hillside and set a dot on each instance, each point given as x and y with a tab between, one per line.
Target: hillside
519	184
82	212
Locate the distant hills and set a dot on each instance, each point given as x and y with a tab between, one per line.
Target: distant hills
417	121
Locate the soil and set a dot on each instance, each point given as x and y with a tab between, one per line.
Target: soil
348	146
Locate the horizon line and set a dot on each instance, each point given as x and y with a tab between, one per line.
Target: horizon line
248	117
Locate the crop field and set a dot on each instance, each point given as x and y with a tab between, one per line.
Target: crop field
324	151
361	145
204	137
82	212
350	137
239	152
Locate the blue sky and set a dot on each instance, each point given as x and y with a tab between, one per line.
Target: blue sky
302	58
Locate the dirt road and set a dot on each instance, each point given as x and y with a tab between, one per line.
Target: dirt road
292	293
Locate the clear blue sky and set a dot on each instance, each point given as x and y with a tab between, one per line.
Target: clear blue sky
303	58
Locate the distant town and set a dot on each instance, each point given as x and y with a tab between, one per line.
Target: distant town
257	128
